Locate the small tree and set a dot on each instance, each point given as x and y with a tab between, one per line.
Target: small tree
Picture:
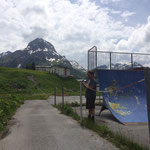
33	66
30	66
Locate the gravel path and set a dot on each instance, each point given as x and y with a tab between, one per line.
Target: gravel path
39	126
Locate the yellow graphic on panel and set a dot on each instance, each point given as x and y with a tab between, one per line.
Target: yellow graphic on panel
114	106
118	109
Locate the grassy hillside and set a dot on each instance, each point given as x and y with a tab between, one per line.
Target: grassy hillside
30	82
17	85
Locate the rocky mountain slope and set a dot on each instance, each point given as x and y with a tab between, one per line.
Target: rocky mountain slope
75	65
40	52
5	53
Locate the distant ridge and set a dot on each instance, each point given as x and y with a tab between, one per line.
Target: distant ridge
121	66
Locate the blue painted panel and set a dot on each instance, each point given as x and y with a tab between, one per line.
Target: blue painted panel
127	104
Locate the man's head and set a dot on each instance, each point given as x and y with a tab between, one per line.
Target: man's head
90	75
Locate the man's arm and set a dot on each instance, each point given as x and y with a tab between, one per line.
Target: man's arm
88	86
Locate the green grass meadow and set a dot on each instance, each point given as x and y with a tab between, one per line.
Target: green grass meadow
31	82
17	85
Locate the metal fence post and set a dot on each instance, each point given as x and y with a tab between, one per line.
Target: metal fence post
110	60
80	102
132	60
55	96
88	61
147	84
96	57
62	95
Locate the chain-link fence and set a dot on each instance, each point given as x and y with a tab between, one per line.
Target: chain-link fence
116	60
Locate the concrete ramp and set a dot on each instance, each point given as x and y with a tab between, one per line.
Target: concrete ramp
126	96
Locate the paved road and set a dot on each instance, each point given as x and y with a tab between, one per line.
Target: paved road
39	126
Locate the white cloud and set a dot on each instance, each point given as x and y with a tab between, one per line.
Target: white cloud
115	11
127	14
116	0
109	1
138	41
71	28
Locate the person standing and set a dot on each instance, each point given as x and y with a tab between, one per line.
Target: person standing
90	95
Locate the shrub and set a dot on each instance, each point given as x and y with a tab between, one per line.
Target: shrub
7	108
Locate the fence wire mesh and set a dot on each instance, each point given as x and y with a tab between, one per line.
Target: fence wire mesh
116	60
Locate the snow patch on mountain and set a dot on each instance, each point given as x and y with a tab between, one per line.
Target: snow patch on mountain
30	51
28	47
19	66
38	50
75	65
63	58
58	60
45	50
50	59
4	54
55	53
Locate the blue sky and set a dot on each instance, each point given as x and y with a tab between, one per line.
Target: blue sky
141	8
74	26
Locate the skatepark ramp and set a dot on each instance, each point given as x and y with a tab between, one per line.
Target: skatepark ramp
124	94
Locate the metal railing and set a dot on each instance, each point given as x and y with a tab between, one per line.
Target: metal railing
116	60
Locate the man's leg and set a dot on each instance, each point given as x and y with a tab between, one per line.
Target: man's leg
93	107
93	114
90	104
87	107
90	113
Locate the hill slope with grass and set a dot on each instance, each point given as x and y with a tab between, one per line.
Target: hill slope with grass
17	85
31	82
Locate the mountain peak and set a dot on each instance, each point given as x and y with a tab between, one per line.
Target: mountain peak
40	44
41	53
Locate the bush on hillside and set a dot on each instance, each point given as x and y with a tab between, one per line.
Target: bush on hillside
7	108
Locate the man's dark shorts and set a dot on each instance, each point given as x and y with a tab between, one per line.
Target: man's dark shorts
90	102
